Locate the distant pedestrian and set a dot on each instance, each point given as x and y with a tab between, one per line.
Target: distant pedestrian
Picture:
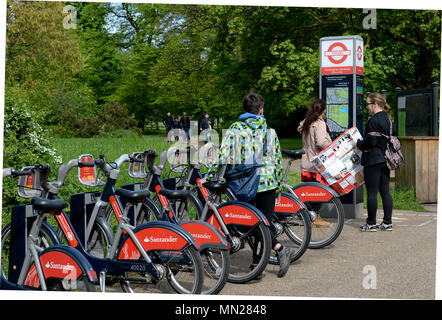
205	126
168	122
376	172
185	124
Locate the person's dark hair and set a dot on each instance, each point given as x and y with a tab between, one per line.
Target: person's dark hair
318	106
252	103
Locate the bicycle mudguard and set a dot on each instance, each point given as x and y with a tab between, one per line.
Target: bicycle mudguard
156	235
7	285
314	192
61	262
205	235
288	204
240	213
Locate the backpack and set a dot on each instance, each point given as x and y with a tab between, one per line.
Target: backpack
393	153
243	179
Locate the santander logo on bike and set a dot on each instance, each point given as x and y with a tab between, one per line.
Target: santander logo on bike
204	236
153	239
313	194
237	216
56	266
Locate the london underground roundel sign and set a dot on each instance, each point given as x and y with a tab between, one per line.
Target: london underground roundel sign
337	56
337	53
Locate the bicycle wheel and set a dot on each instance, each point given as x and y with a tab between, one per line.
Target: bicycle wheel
100	240
329	222
146	212
294	231
47	238
326	211
80	284
250	253
216	265
184	270
184	210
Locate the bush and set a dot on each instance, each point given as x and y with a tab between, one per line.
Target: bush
25	144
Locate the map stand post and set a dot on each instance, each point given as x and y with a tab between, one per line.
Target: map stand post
341	85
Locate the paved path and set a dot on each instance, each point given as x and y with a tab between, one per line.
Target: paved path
397	264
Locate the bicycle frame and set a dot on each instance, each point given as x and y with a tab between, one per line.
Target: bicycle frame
28	262
204	234
228	213
116	261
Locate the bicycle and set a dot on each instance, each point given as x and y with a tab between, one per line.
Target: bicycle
213	246
291	219
244	226
321	200
32	266
143	255
314	199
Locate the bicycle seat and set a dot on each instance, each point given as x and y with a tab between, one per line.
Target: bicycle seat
175	194
216	186
48	204
132	196
294	154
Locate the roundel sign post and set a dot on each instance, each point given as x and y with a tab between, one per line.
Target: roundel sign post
341	85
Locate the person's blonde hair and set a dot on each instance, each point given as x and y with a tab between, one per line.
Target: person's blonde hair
380	100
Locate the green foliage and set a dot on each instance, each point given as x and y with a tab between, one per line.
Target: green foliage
26	143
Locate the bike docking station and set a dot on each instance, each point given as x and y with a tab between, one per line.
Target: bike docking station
341	85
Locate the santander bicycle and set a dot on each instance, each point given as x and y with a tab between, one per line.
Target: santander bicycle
291	219
316	200
138	257
245	228
322	202
30	264
213	247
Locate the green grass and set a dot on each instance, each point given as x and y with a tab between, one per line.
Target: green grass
291	143
120	142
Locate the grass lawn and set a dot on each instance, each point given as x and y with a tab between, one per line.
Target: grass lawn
120	142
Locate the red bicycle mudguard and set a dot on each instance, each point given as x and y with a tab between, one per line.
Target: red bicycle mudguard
241	213
60	262
205	235
288	204
156	236
314	192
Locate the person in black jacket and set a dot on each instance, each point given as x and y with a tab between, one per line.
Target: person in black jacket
185	124
376	172
168	122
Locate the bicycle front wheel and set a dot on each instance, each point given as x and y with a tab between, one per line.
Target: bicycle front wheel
328	222
216	265
250	252
46	239
185	271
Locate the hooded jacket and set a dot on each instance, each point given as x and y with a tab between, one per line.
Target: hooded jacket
244	140
313	141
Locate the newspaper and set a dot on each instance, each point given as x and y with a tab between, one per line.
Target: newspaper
340	162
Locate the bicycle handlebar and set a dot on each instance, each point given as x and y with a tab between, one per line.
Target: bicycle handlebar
7	172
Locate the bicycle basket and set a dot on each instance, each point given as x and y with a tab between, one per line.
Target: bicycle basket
87	175
29	186
178	161
137	169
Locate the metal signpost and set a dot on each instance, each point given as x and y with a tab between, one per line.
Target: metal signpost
341	85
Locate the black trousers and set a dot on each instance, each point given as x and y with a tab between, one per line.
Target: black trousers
377	179
265	202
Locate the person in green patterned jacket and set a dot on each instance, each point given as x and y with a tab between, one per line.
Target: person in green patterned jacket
241	142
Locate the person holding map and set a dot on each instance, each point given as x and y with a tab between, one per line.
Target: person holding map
376	172
315	137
